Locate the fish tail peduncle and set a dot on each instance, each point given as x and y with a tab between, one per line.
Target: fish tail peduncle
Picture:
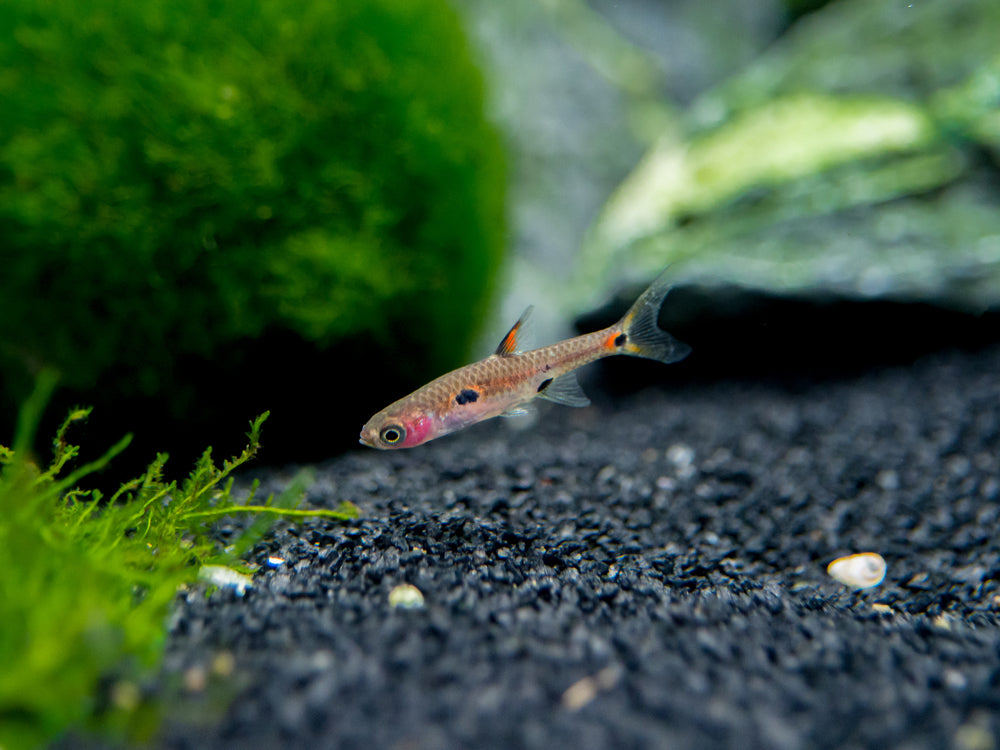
643	337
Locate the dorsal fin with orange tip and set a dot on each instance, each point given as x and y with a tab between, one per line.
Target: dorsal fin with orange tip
509	344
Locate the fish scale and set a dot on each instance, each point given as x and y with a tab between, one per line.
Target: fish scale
503	375
505	383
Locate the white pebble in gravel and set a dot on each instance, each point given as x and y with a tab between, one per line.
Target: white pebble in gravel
861	571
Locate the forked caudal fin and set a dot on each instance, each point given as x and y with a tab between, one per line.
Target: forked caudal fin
643	337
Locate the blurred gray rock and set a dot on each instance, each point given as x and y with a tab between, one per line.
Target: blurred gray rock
581	91
858	155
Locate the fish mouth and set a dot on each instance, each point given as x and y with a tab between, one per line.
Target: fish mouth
365	442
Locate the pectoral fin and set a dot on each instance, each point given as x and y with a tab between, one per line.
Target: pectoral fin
564	390
524	410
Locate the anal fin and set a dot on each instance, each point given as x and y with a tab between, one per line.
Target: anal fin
565	390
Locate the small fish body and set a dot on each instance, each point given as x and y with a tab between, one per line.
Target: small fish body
504	383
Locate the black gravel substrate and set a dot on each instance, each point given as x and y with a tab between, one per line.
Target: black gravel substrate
650	572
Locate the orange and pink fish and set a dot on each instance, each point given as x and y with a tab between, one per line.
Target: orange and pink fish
507	381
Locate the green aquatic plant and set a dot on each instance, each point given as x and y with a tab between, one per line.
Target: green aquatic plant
180	179
88	580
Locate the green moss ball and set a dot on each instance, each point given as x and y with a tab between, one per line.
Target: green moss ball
179	177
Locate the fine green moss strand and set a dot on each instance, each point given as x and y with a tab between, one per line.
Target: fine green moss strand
88	580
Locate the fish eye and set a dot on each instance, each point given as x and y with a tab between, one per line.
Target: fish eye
393	434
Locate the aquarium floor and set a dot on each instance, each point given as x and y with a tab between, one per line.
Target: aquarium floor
647	572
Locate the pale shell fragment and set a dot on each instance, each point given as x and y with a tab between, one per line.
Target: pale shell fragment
195	679
584	690
861	571
580	693
222	577
406	596
223	664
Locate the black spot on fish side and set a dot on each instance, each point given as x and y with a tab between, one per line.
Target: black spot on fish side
467	396
621	339
544	384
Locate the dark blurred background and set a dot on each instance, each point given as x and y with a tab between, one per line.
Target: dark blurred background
208	210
